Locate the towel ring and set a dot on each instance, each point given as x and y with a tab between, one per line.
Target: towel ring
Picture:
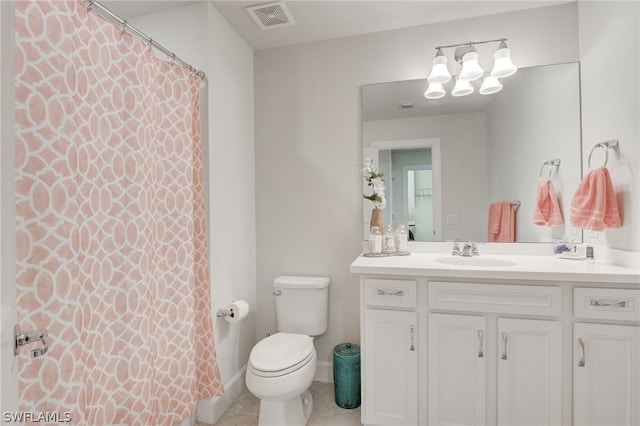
613	144
554	162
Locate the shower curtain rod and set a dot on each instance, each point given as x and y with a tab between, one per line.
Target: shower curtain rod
125	26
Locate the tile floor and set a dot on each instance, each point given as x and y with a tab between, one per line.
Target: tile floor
244	411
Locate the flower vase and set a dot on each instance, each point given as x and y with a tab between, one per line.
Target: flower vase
377	219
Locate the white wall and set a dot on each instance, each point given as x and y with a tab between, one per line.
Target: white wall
201	36
309	142
463	156
8	366
609	54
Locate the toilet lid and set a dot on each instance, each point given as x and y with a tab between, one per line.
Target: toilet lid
281	351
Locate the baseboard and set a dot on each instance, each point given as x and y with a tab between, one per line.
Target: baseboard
324	372
210	410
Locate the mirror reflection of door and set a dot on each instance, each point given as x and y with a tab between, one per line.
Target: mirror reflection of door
418	201
395	158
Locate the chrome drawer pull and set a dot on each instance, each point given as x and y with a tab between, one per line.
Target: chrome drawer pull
609	303
412	347
505	339
481	338
382	292
581	363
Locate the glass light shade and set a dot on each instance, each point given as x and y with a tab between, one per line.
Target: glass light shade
434	91
471	69
490	85
503	66
462	88
439	72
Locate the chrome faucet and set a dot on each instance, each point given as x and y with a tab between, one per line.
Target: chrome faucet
470	249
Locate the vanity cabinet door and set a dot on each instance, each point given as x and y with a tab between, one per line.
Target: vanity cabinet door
390	367
529	372
606	374
457	369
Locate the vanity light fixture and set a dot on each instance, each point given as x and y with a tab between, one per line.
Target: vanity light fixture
503	66
439	72
466	55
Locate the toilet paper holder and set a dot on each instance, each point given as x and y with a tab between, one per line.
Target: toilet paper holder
224	312
233	312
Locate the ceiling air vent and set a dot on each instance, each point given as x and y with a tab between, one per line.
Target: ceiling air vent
270	15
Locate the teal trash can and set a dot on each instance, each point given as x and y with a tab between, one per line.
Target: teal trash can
346	375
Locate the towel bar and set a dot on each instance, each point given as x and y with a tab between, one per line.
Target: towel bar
606	145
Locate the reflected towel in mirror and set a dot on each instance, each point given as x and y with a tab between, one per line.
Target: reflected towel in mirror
502	222
547	211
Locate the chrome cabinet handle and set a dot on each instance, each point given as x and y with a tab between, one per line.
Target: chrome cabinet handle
22	339
382	292
581	363
277	293
412	329
505	339
481	339
609	303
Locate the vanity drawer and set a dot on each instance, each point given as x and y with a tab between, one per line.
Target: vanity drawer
495	298
606	303
392	293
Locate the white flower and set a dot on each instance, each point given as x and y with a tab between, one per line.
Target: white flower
374	180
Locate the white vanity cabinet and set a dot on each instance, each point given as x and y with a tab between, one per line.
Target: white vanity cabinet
389	352
494	366
457	369
544	342
606	357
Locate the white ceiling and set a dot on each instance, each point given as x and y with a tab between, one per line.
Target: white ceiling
326	19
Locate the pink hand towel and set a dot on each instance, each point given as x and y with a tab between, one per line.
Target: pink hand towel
501	222
547	211
594	205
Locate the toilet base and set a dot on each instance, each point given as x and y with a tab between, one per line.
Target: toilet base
293	412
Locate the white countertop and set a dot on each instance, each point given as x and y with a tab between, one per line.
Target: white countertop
545	268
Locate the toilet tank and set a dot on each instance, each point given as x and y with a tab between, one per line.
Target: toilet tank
302	304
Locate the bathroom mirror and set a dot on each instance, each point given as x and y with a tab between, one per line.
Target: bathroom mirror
446	160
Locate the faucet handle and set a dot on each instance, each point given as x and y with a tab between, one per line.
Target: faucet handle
456	248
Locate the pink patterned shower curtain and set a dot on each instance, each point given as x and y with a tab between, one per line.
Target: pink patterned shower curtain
111	250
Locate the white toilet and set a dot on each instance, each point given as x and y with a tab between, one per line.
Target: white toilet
282	366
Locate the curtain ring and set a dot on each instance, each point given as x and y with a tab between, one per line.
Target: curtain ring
150	43
123	28
173	58
606	157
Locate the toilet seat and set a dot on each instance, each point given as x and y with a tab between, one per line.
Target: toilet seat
280	354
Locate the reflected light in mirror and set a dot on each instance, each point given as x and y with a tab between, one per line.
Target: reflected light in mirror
434	91
490	85
462	88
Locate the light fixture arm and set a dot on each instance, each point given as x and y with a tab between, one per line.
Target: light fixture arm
471	43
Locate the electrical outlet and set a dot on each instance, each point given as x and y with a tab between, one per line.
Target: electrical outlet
452	218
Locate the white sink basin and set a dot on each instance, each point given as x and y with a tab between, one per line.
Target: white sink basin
474	261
